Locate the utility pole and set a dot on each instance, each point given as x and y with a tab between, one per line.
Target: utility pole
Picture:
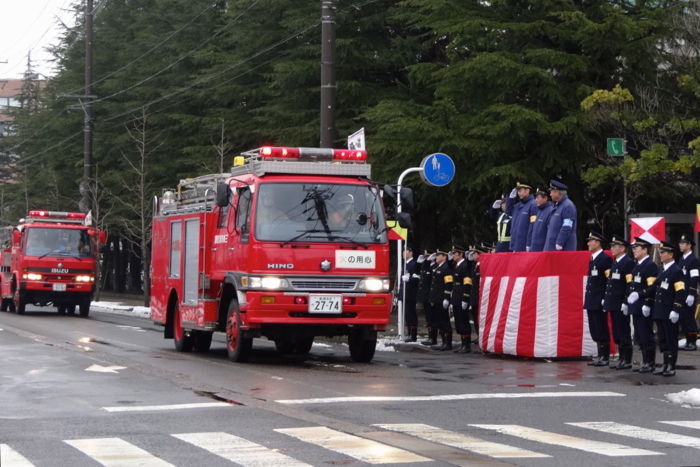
86	188
328	85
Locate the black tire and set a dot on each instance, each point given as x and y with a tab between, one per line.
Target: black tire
238	344
4	305
19	302
70	309
84	307
202	340
362	345
303	345
62	309
183	339
284	346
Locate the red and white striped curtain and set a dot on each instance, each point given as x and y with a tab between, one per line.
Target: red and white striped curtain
531	304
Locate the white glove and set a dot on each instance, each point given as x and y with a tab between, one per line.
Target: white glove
690	300
497	204
558	247
625	310
673	316
527	248
421	258
646	311
449	256
432	257
602	303
464	305
634	296
405	277
445	304
513	193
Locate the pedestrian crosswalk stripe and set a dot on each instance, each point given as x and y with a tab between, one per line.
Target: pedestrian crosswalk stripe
113	452
151	408
546	437
362	449
686	424
458	440
641	433
11	458
238	450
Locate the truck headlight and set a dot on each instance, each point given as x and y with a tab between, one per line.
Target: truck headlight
374	285
30	276
266	282
84	279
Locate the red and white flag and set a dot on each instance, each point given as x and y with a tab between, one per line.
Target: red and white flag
651	229
531	304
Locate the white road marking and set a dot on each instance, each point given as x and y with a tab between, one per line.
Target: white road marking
448	397
115	452
362	449
641	433
105	369
146	408
11	458
458	440
131	328
556	439
686	424
239	450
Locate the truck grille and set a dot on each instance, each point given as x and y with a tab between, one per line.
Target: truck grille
310	285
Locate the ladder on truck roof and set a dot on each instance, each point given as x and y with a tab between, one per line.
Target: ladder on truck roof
192	195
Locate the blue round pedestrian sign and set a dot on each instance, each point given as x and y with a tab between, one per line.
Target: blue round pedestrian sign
438	169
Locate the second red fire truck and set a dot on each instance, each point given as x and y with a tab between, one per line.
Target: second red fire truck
49	259
290	245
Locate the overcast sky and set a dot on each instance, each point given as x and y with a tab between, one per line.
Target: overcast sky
30	26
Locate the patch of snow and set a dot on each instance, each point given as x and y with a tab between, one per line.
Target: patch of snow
689	398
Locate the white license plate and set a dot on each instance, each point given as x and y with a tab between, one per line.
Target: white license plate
59	287
325	304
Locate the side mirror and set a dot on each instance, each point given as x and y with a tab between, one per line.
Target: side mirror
16	236
390	192
407	202
404	220
223	194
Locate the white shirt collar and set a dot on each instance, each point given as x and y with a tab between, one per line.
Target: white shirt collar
668	265
595	255
687	254
642	260
460	261
618	258
409	260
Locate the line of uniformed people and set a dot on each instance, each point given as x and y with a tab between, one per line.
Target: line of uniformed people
440	280
653	297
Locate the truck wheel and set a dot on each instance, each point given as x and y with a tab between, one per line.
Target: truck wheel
19	302
202	341
303	345
362	345
238	344
70	309
4	305
183	339
84	306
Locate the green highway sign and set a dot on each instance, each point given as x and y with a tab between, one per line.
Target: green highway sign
617	147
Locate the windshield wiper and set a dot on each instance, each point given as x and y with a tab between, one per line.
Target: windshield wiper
297	237
349	240
63	255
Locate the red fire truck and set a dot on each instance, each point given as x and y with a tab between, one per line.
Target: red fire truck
290	245
49	258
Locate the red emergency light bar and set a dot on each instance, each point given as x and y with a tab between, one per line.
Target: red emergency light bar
343	155
57	214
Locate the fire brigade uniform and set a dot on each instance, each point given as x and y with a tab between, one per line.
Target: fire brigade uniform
538	229
690	266
426	279
440	293
503	226
409	291
461	290
643	277
476	281
669	295
561	229
619	277
593	301
523	212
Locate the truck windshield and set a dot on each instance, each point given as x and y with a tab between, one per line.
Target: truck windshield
319	212
58	242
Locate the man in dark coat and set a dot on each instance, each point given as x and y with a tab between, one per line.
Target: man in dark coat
690	266
440	293
639	302
461	291
410	280
593	300
619	277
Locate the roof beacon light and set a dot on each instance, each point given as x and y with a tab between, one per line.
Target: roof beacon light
349	155
274	152
56	215
313	154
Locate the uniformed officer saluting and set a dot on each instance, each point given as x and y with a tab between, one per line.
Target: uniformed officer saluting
593	301
690	266
521	206
538	229
561	230
440	292
461	291
639	302
669	298
619	277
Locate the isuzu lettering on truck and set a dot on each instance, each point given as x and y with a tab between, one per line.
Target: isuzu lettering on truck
290	245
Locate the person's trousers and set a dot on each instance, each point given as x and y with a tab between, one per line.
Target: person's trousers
622	333
644	332
598	326
410	315
442	318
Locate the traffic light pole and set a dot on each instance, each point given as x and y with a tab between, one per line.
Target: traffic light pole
86	190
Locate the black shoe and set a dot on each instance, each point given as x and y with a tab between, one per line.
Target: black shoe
670	371
429	342
594	362
622	365
689	346
602	362
661	370
646	368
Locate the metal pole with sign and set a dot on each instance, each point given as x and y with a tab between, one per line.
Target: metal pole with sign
617	147
437	170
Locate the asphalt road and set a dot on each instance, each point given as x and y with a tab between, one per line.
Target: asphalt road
109	390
